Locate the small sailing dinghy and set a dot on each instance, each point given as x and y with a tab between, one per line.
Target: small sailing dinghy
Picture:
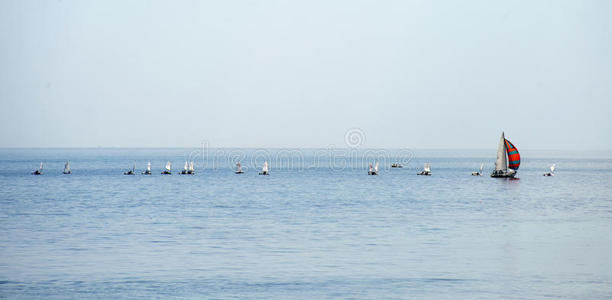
191	170
148	170
478	173
508	157
552	170
239	168
131	172
373	171
167	169
185	168
39	171
265	170
396	165
426	170
67	168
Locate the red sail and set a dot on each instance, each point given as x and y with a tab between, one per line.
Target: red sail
514	158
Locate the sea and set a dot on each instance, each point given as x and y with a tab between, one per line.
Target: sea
318	227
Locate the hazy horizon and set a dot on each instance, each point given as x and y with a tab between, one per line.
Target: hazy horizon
262	74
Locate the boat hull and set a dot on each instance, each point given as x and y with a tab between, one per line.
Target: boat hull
503	175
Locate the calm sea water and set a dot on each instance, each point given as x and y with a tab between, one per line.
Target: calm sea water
316	228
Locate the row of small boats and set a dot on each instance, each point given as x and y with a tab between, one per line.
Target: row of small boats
189	169
506	165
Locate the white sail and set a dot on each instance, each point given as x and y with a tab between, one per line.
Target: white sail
552	168
265	167
238	167
134	167
370	167
191	166
168	165
149	166
501	164
481	167
426	167
376	168
41	166
185	167
67	167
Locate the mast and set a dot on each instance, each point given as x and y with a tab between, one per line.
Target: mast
501	164
41	166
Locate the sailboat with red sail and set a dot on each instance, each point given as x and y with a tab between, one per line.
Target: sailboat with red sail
508	159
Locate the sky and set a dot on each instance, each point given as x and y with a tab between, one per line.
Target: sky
418	74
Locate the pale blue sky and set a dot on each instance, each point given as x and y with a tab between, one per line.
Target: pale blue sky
418	74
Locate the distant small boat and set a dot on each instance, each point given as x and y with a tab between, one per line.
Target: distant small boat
185	168
67	168
478	173
148	170
508	157
39	171
552	170
239	168
426	170
191	170
131	172
373	171
167	169
396	165
265	170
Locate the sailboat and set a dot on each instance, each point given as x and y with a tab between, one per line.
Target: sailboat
552	170
373	171
396	165
239	168
478	173
185	168
131	172
426	170
148	170
39	171
508	157
264	170
191	170
167	169
67	168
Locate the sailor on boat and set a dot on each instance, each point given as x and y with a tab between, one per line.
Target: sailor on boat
373	171
239	168
148	170
552	170
185	169
167	169
131	172
39	171
265	170
478	173
426	170
67	168
508	159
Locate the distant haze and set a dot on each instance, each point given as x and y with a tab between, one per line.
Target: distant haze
419	74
